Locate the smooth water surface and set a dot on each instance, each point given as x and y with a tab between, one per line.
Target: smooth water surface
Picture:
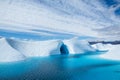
61	67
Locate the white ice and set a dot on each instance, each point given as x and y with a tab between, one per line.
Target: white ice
113	53
100	47
76	46
7	53
15	50
36	48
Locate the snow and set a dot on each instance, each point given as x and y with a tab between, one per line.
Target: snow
52	19
16	50
113	53
100	47
36	48
76	46
7	53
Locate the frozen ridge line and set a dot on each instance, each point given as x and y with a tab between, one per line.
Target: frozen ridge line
15	50
7	53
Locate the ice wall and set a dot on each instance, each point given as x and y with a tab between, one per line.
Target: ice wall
36	48
15	49
7	53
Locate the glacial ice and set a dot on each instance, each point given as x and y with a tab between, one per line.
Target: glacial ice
15	49
75	17
113	53
76	46
7	53
36	48
100	47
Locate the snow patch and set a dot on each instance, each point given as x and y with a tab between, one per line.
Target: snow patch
113	53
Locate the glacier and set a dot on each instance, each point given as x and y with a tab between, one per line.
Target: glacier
36	48
100	47
56	39
77	46
54	23
21	49
12	49
9	54
113	52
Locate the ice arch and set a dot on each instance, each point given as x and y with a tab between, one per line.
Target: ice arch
15	50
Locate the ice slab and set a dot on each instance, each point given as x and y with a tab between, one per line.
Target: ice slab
113	53
36	48
7	53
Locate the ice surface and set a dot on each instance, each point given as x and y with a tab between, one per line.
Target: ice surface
113	53
20	48
15	49
7	53
76	46
36	48
100	47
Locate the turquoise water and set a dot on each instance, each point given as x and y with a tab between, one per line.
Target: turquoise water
61	67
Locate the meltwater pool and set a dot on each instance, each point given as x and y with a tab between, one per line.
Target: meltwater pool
61	67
